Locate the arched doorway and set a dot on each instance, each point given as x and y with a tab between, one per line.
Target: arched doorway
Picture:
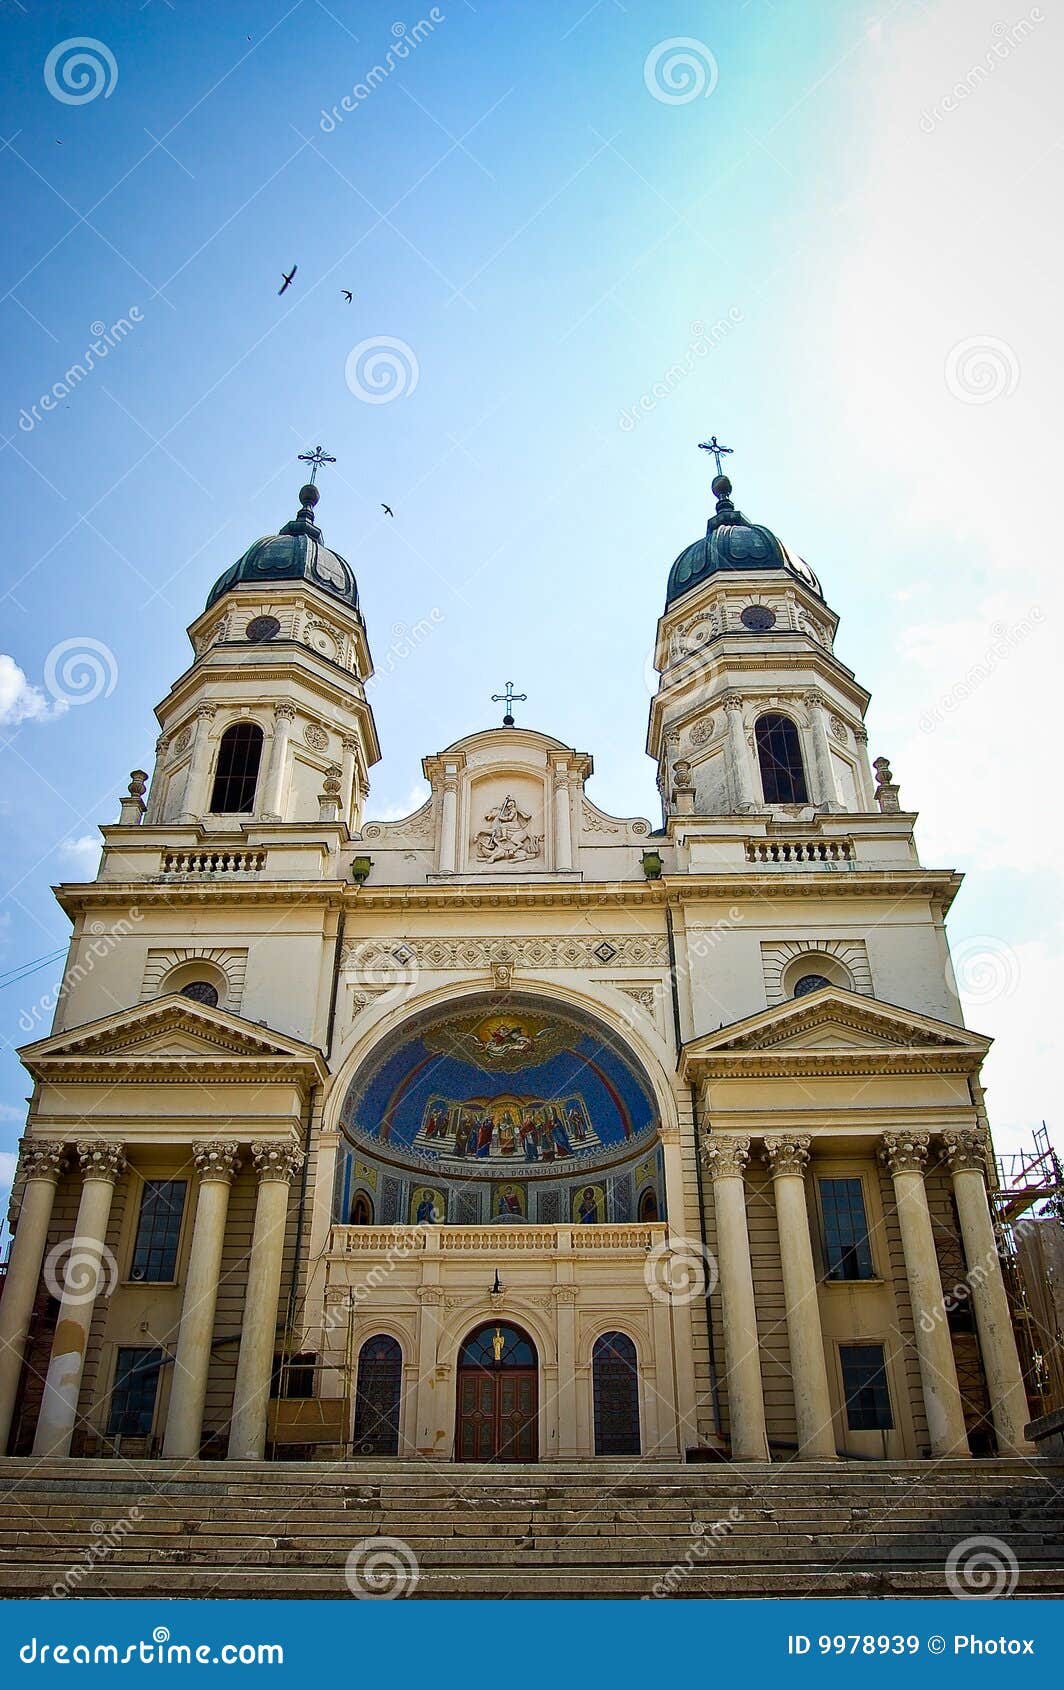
378	1394
615	1377
498	1396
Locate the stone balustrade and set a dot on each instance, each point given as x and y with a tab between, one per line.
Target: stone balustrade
213	862
799	851
493	1239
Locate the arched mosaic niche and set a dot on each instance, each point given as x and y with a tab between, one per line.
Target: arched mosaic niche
502	1110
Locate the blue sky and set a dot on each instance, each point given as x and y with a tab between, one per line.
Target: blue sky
845	264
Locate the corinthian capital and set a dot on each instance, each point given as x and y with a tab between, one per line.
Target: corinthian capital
787	1153
216	1159
40	1160
967	1150
725	1156
100	1159
904	1153
277	1159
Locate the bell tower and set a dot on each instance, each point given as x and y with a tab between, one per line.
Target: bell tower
754	713
270	723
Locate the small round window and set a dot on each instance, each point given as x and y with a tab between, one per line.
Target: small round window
758	618
809	983
201	991
262	628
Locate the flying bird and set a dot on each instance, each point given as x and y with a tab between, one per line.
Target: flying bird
387	509
347	295
286	281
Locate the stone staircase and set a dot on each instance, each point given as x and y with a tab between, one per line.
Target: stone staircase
117	1527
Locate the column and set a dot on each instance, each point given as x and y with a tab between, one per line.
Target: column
966	1157
827	793
904	1155
429	1297
348	770
864	781
565	1316
688	1268
197	798
726	1159
563	830
787	1155
216	1164
284	714
40	1165
747	797
449	820
88	1267
276	1162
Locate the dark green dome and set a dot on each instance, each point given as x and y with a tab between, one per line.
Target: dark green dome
297	553
733	543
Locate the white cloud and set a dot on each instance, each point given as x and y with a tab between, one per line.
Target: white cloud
20	700
405	807
84	852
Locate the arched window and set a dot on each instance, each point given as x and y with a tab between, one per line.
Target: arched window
201	991
377	1397
615	1376
780	756
809	983
236	772
361	1210
648	1205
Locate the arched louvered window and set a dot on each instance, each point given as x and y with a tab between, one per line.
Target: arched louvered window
779	753
615	1378
362	1210
236	772
377	1397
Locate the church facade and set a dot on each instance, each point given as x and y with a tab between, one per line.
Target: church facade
511	1130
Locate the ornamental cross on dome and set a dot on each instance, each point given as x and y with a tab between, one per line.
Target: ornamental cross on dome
719	452
315	459
509	698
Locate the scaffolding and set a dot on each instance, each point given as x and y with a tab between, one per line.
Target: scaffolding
1028	1180
1026	1177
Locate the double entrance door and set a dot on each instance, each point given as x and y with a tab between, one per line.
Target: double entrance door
497	1396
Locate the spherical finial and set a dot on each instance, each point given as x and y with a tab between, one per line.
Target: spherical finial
721	487
309	495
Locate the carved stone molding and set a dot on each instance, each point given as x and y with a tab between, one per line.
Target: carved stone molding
276	1159
315	736
725	1157
41	1160
732	701
787	1153
701	732
430	1296
582	951
284	712
778	954
101	1159
904	1152
564	1293
216	1159
231	963
967	1150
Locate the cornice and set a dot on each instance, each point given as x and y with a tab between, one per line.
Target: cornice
791	1063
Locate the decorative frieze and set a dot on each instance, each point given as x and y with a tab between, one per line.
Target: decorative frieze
622	950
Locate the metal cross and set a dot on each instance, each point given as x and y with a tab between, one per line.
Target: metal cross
509	698
315	459
719	452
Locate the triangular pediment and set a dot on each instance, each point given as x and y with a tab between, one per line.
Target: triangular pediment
171	1033
834	1026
